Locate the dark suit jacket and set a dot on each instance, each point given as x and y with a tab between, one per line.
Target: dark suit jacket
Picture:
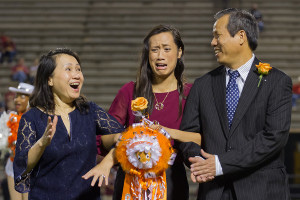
251	152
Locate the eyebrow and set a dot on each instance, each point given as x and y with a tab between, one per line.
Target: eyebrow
215	32
162	45
67	64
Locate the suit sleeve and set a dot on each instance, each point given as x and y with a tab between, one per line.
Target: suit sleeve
190	119
190	122
270	141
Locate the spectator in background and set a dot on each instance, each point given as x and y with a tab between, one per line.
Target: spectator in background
20	72
258	16
21	101
9	106
9	101
296	93
8	49
32	70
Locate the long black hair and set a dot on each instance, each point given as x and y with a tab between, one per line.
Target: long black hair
143	85
42	95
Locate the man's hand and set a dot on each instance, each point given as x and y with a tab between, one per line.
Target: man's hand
203	170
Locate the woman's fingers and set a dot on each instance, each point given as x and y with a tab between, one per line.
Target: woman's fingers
95	178
100	181
48	124
102	178
49	131
54	123
99	172
95	175
106	180
87	175
51	126
49	120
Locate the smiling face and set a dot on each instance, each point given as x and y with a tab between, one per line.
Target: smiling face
21	102
227	48
163	54
67	78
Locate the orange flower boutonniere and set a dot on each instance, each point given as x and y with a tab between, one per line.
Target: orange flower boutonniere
263	69
139	104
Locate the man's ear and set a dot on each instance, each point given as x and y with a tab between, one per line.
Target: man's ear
242	36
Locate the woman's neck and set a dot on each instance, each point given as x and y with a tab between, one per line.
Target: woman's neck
162	85
63	106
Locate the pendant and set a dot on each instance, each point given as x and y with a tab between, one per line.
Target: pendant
159	106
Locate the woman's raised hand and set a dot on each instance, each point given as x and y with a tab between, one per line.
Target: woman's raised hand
37	150
49	132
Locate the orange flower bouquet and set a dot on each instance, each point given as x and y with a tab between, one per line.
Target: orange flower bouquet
263	69
144	155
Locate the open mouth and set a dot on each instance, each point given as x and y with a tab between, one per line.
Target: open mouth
74	85
161	66
217	51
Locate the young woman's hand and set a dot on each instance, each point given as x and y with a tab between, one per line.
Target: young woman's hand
49	132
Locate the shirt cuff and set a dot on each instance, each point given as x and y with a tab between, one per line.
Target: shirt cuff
219	170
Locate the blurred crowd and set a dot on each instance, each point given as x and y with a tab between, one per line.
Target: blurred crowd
11	58
19	73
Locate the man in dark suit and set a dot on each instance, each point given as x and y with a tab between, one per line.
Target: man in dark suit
244	122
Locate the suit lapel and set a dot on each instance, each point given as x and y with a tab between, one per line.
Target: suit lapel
249	92
219	92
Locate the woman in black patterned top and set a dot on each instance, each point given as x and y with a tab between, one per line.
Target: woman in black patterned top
56	142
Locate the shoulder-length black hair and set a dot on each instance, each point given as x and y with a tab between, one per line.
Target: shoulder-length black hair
241	20
143	86
42	95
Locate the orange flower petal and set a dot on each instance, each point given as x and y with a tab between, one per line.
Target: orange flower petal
139	104
263	68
